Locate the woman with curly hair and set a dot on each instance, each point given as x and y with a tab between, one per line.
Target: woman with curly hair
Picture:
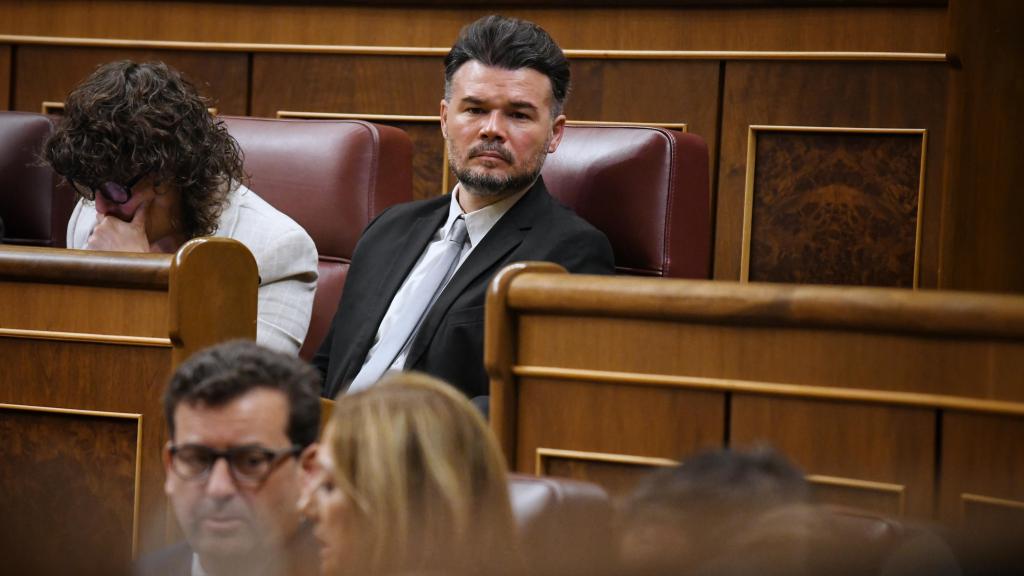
154	169
410	480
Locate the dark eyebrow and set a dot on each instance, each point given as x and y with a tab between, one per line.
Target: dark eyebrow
517	104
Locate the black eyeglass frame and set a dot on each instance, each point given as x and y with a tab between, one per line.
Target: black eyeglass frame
274	458
111	190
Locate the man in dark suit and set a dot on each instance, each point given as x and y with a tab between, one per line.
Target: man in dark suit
506	82
243	422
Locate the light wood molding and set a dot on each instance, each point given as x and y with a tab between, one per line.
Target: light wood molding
52	107
137	479
898	490
299	114
804	306
966	499
748	189
441	51
580	455
81	337
911	399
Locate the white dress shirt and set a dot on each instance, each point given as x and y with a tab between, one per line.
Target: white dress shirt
478	224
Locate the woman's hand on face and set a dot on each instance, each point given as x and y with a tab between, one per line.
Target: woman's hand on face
112	234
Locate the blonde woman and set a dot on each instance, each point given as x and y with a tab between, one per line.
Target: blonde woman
410	481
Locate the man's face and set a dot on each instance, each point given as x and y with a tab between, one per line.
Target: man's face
499	127
221	517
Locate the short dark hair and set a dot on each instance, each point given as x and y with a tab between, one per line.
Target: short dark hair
128	119
217	375
511	44
722	481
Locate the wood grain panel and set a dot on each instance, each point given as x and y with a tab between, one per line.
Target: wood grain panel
983	235
5	77
838	358
35	309
357	84
45	73
612	419
883	28
982	458
862	95
81	469
849	441
834	207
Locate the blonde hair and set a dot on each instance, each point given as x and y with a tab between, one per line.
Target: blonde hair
427	480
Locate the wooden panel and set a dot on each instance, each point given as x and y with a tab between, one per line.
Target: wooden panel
78	468
903	29
836	358
5	77
358	84
36	311
48	74
983	232
833	207
610	419
982	476
854	442
861	95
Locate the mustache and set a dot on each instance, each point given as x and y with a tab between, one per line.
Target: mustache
492	147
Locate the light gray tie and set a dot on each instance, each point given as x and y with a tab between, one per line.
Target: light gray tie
402	333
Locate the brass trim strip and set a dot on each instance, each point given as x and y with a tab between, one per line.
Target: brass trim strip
542	453
910	399
86	337
868	485
680	126
427	51
137	497
968	498
298	114
51	107
748	185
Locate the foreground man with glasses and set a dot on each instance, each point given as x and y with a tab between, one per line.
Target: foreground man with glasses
242	422
154	169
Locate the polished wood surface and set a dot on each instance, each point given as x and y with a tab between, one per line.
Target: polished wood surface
5	77
884	29
49	73
855	384
89	357
985	208
820	95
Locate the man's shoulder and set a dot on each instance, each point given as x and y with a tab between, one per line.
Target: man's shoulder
175	560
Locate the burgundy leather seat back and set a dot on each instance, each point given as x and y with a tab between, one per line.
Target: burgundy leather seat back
565	526
332	177
646	188
33	210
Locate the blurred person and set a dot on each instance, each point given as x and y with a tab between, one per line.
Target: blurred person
414	296
154	169
242	422
680	518
411	481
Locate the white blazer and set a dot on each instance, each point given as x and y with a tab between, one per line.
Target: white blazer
284	252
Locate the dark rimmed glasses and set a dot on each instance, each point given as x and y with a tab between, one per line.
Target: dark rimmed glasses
113	191
248	465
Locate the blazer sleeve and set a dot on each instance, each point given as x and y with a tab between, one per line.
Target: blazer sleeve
288	274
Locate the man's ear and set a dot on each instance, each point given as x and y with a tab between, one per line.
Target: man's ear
557	131
444	118
168	488
307	458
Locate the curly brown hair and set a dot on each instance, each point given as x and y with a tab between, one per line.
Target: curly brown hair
128	119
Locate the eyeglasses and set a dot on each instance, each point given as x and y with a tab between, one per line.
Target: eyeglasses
112	191
249	465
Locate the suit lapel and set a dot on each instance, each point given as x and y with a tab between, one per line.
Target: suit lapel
502	239
407	251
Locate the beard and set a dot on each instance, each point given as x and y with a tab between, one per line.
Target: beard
482	183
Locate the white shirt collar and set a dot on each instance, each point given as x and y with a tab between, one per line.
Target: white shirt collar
479	222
